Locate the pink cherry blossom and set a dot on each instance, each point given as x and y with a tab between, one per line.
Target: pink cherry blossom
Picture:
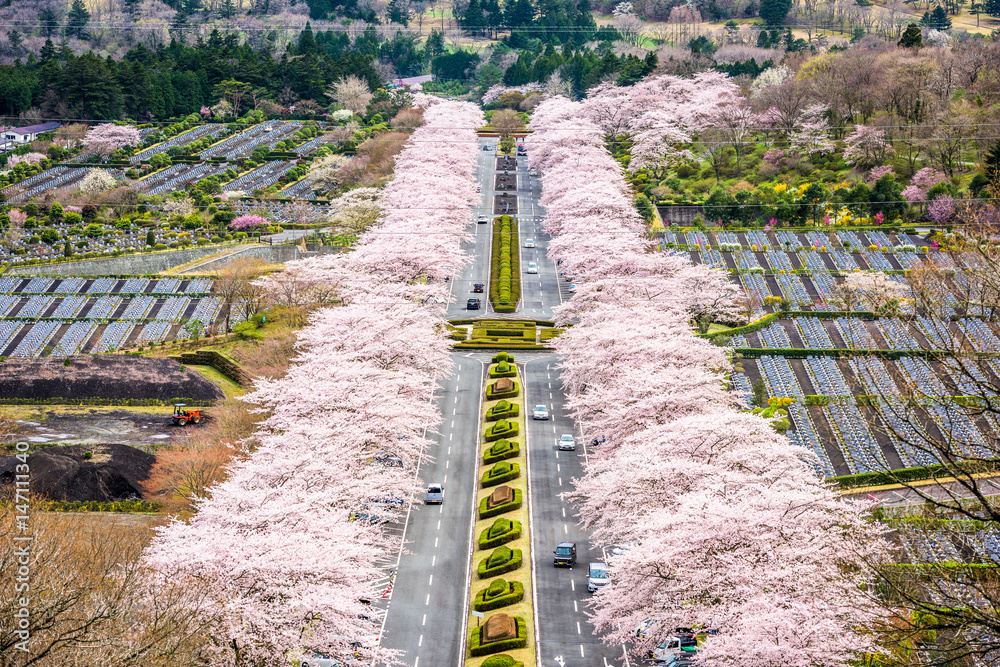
108	137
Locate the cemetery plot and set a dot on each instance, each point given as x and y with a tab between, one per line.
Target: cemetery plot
44	316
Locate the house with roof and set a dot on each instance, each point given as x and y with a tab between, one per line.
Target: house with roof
17	136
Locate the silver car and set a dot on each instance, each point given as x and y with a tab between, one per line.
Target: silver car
598	576
532	268
567	443
435	494
540	412
529	243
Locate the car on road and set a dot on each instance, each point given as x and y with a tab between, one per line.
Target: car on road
565	554
532	268
435	494
540	412
319	660
567	443
598	576
529	243
532	172
482	220
682	658
478	288
487	147
473	304
522	149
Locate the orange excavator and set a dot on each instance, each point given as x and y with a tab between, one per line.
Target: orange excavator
182	415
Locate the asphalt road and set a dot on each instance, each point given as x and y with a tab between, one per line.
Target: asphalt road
565	637
426	608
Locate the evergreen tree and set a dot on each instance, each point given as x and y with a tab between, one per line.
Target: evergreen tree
775	11
939	19
227	9
473	19
307	42
912	37
991	164
519	13
77	20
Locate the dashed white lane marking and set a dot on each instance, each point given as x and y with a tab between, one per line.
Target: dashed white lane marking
577	628
446	464
420	642
428	600
430	582
581	652
439	524
449	449
575	608
560	481
435	542
565	530
564	516
558	468
572	585
434	560
424	622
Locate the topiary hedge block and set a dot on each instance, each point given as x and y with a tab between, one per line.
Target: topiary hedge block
476	648
501	449
502	410
503	356
501	429
502	369
501	661
492	395
501	532
501	561
500	472
487	513
513	592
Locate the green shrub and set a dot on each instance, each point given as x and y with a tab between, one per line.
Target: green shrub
501	661
501	356
489	513
501	472
502	369
505	280
502	410
506	594
501	532
501	429
501	449
492	395
477	648
500	562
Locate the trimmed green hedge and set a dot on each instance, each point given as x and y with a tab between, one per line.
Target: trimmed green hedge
503	369
501	472
501	532
913	474
502	410
501	429
501	561
756	325
475	637
483	344
121	506
501	661
503	356
513	593
489	513
492	395
501	449
816	399
505	266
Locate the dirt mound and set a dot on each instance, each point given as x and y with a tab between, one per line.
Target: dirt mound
63	473
115	377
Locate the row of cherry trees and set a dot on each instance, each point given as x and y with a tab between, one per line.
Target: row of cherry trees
730	527
284	565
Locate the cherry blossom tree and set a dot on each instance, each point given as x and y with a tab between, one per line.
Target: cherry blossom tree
275	547
732	528
27	158
96	181
106	138
811	132
866	147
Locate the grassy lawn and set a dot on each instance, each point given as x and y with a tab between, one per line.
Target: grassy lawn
231	388
718	328
523	573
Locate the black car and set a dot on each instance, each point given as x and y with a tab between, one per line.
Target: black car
478	288
473	304
565	554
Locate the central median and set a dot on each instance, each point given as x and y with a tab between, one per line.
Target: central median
505	266
500	625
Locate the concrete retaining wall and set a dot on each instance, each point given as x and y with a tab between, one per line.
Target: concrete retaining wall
219	362
117	266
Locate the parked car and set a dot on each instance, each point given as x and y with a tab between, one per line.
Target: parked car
532	268
532	172
597	442
521	149
482	220
473	304
567	443
478	288
319	660
529	243
565	554
487	147
598	576
571	289
372	513
681	658
435	494
540	412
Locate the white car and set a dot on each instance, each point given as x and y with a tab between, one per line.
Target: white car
529	243
482	219
567	443
532	268
532	172
540	412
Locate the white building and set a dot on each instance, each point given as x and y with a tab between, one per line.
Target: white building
17	136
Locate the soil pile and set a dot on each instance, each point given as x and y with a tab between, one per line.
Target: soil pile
64	473
114	377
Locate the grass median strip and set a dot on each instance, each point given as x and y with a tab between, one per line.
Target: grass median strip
501	578
505	267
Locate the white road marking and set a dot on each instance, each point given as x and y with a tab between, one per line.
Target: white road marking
581	652
435	542
577	628
572	585
430	582
445	482
557	453
420	642
450	436
439	524
454	411
550	385
456	399
558	468
575	608
446	464
434	557
416	661
564	513
428	600
560	481
565	530
449	449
